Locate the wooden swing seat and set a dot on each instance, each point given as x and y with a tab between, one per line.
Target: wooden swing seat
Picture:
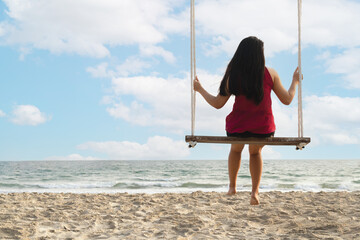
300	142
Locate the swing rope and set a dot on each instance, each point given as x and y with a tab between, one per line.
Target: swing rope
300	113
193	65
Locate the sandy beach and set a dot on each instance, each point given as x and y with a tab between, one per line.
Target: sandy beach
198	215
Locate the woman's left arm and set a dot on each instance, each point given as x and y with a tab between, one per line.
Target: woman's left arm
215	101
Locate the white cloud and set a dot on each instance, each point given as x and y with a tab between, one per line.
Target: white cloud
331	23
28	115
24	51
2	29
332	119
135	113
88	27
2	114
151	50
269	153
347	64
324	23
323	56
230	21
132	65
156	148
71	157
100	71
162	96
91	27
327	119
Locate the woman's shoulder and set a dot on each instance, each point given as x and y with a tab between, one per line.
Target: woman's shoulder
272	72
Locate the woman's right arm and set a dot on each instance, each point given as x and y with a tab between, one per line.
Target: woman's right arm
215	101
285	96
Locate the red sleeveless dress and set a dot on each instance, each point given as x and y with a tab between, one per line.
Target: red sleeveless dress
246	116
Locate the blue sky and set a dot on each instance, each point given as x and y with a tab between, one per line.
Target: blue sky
84	80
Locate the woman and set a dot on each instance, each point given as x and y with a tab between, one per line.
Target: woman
251	82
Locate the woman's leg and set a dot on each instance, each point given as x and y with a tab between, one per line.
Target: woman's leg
255	171
234	166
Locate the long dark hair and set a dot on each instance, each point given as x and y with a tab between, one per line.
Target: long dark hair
245	72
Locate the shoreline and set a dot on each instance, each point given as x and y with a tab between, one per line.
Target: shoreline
165	191
196	215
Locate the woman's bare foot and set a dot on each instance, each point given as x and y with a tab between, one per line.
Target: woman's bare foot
254	199
232	191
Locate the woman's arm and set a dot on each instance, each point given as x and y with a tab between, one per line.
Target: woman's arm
217	102
285	96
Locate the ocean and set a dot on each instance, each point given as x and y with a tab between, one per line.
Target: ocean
174	176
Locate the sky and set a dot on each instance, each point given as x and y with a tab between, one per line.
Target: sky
110	80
